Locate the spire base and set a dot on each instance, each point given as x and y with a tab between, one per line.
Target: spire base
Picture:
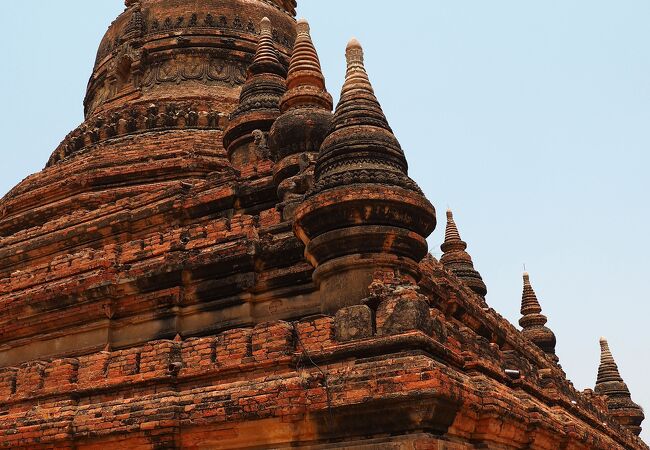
345	281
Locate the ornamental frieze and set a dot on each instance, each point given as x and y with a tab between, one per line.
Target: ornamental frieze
141	118
139	27
214	70
127	73
214	22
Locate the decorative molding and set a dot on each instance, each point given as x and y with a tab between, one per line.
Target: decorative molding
364	176
194	68
137	119
127	74
138	27
211	22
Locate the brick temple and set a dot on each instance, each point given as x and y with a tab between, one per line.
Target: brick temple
221	258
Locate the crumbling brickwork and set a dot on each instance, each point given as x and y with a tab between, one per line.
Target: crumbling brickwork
216	259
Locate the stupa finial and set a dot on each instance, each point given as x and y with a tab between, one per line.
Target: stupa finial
357	81
361	147
364	214
529	302
259	101
533	322
619	401
451	232
456	259
606	355
354	52
296	136
305	80
266	57
302	27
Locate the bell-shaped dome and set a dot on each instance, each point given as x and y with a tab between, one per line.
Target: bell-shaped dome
162	49
167	77
164	67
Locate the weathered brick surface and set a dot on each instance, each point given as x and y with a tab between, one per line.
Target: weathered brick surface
264	373
157	288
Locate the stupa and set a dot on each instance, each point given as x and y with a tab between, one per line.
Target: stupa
215	259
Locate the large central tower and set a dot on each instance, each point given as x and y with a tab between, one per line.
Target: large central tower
109	223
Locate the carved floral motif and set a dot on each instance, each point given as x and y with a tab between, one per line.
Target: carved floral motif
195	68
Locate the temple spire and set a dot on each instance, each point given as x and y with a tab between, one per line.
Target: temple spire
266	57
296	136
619	401
608	370
358	103
364	215
305	80
533	322
361	146
244	137
457	260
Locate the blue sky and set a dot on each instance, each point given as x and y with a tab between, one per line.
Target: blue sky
529	119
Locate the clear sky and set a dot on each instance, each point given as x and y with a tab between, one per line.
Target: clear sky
530	119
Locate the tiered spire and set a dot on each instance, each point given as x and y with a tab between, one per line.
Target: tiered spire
259	100
361	147
305	80
296	136
533	322
364	213
611	384
266	57
457	260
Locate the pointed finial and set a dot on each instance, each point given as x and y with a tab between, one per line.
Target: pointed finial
529	304
456	259
306	106
358	105
266	57
608	370
611	384
259	98
354	52
356	76
451	232
306	115
354	43
604	346
265	26
533	322
302	27
305	77
361	178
